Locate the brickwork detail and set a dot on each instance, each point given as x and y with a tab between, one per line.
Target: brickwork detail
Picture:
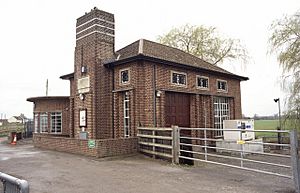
55	105
91	50
104	147
142	91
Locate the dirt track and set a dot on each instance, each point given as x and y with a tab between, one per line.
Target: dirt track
55	172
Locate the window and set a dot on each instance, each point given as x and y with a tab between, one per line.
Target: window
36	123
126	114
222	85
221	113
202	82
44	122
56	122
179	78
124	76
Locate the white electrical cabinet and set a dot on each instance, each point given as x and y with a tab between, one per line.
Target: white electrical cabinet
244	124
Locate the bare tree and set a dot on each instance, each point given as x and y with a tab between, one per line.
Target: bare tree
205	43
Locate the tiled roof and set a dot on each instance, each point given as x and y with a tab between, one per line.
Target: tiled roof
159	51
18	118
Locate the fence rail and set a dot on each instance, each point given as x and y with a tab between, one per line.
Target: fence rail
13	185
156	141
198	145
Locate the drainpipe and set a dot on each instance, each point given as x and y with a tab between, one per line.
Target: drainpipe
205	115
154	95
113	104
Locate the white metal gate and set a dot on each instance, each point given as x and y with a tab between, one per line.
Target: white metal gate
268	157
278	156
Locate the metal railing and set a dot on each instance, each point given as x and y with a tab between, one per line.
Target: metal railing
236	147
281	159
199	145
12	184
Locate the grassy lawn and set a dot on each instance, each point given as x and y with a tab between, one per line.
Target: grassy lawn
265	125
269	125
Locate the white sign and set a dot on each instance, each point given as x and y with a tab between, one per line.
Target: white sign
82	118
83	85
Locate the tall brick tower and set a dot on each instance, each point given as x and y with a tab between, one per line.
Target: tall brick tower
92	81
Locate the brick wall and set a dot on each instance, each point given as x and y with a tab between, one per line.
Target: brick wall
94	45
141	92
115	147
55	104
104	147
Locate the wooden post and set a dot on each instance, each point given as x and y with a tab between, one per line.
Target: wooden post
175	144
295	159
153	141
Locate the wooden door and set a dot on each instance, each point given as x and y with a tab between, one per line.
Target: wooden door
177	109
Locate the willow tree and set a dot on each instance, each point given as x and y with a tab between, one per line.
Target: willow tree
205	43
285	42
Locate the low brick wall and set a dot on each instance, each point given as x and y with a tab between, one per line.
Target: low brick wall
104	147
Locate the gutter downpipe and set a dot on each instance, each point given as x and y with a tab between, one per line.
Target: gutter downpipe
113	104
154	95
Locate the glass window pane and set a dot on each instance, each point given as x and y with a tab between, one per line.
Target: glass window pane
221	113
124	76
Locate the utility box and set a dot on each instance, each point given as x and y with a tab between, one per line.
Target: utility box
244	124
83	135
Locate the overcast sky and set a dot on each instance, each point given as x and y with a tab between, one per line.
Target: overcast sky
37	41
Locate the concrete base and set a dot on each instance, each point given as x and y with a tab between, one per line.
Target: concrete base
197	156
234	145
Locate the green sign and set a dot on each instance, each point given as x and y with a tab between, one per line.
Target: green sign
92	143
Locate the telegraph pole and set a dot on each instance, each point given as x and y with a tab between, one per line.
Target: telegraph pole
47	87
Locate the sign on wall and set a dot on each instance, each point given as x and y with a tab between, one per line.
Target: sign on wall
92	143
83	85
82	118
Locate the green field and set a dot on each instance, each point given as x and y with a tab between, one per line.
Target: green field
265	125
269	125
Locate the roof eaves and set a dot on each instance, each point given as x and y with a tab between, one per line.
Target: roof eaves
33	99
153	59
67	76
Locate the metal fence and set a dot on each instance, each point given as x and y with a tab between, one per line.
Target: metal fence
11	184
279	158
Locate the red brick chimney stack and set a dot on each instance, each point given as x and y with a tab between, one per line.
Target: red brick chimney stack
92	81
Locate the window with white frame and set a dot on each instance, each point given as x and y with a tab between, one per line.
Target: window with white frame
36	123
44	122
221	113
124	76
178	78
202	82
222	85
126	115
56	122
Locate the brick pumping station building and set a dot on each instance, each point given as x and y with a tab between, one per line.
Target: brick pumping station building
143	84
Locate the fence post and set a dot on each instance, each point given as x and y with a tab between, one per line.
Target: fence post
11	183
295	159
24	186
153	141
175	144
